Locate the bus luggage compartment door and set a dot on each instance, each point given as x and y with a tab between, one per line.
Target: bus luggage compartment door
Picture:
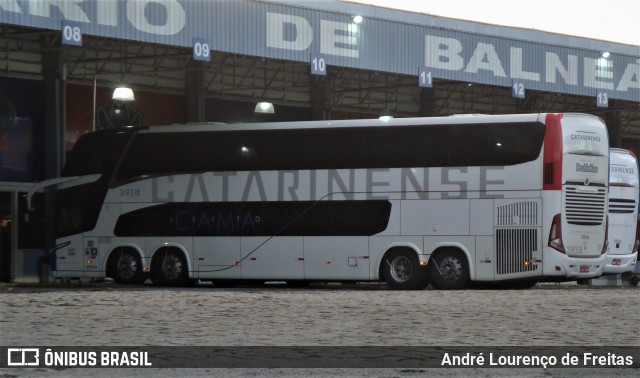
336	258
275	258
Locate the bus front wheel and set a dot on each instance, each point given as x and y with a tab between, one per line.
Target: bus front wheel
449	270
169	268
402	271
125	267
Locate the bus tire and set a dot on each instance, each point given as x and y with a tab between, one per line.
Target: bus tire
402	271
449	270
125	267
169	268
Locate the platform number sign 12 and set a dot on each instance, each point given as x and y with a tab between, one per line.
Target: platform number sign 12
71	33
425	78
318	65
201	49
517	89
602	99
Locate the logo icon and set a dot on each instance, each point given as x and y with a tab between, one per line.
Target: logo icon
23	357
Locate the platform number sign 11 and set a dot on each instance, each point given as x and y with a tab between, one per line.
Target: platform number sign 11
71	33
602	99
201	49
318	65
517	89
425	78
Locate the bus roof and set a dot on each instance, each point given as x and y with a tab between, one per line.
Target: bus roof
373	122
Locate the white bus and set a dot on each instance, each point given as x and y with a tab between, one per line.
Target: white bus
444	200
623	212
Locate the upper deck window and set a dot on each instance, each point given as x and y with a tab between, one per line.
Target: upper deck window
152	154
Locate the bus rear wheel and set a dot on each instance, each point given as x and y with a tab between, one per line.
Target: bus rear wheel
125	267
449	270
169	268
402	271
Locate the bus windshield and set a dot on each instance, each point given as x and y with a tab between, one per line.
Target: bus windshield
78	207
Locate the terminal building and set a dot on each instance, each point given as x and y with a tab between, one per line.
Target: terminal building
178	61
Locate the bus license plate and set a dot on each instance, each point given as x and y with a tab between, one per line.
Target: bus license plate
584	268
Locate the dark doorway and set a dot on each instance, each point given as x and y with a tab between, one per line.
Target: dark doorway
6	218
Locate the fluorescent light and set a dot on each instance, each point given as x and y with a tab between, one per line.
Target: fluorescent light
123	94
264	107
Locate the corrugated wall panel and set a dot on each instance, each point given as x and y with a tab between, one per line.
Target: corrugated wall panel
291	32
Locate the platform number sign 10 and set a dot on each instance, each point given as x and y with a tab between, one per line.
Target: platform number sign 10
71	33
517	89
425	78
318	65
602	99
201	49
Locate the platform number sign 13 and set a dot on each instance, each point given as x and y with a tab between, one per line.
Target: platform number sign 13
425	78
602	99
517	89
71	33
318	65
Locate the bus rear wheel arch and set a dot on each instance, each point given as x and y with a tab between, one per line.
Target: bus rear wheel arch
449	269
169	268
401	269
125	266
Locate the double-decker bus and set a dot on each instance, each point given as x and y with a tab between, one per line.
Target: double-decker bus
446	200
622	254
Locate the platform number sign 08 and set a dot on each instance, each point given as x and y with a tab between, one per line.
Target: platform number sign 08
71	33
517	89
425	78
318	65
201	49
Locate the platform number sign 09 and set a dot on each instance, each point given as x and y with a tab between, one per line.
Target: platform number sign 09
602	99
201	49
517	89
318	65
425	78
71	33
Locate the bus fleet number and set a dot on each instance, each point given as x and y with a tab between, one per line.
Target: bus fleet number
129	193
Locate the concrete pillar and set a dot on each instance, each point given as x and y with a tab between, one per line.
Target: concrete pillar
428	106
612	119
320	97
53	70
195	93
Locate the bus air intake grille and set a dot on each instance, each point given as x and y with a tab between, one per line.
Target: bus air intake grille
518	214
622	206
515	249
585	208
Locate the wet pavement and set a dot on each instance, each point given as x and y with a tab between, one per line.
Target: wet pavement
332	315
